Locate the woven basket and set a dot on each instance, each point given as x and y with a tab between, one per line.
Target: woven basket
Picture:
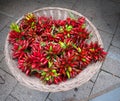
35	83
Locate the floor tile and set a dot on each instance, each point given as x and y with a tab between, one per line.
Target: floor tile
19	7
76	94
112	61
4	21
23	93
1	55
113	95
11	98
106	39
7	84
116	39
104	81
62	3
4	66
3	36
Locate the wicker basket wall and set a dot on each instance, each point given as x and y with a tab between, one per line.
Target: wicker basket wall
35	83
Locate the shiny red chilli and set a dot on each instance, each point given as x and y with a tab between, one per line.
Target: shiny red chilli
53	50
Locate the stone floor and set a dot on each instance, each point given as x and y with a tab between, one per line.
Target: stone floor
104	14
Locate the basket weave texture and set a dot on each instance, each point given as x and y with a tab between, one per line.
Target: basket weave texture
35	83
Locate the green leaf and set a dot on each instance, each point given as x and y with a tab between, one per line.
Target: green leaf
68	74
92	49
50	49
62	44
14	27
66	25
35	70
33	25
23	38
69	28
43	73
48	57
90	35
83	26
29	16
50	77
42	43
69	68
79	49
74	46
26	50
54	71
47	78
68	35
55	74
83	59
50	64
60	29
19	47
71	15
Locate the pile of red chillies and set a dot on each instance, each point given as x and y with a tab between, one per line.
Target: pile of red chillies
53	50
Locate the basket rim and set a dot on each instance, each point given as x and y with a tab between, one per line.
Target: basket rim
49	88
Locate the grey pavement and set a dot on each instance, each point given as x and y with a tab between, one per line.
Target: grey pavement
104	14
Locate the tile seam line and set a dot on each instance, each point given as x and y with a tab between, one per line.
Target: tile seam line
110	73
7	72
94	82
13	97
11	91
94	95
103	92
98	74
115	46
47	96
99	29
5	26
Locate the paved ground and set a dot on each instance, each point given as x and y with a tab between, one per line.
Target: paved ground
104	14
